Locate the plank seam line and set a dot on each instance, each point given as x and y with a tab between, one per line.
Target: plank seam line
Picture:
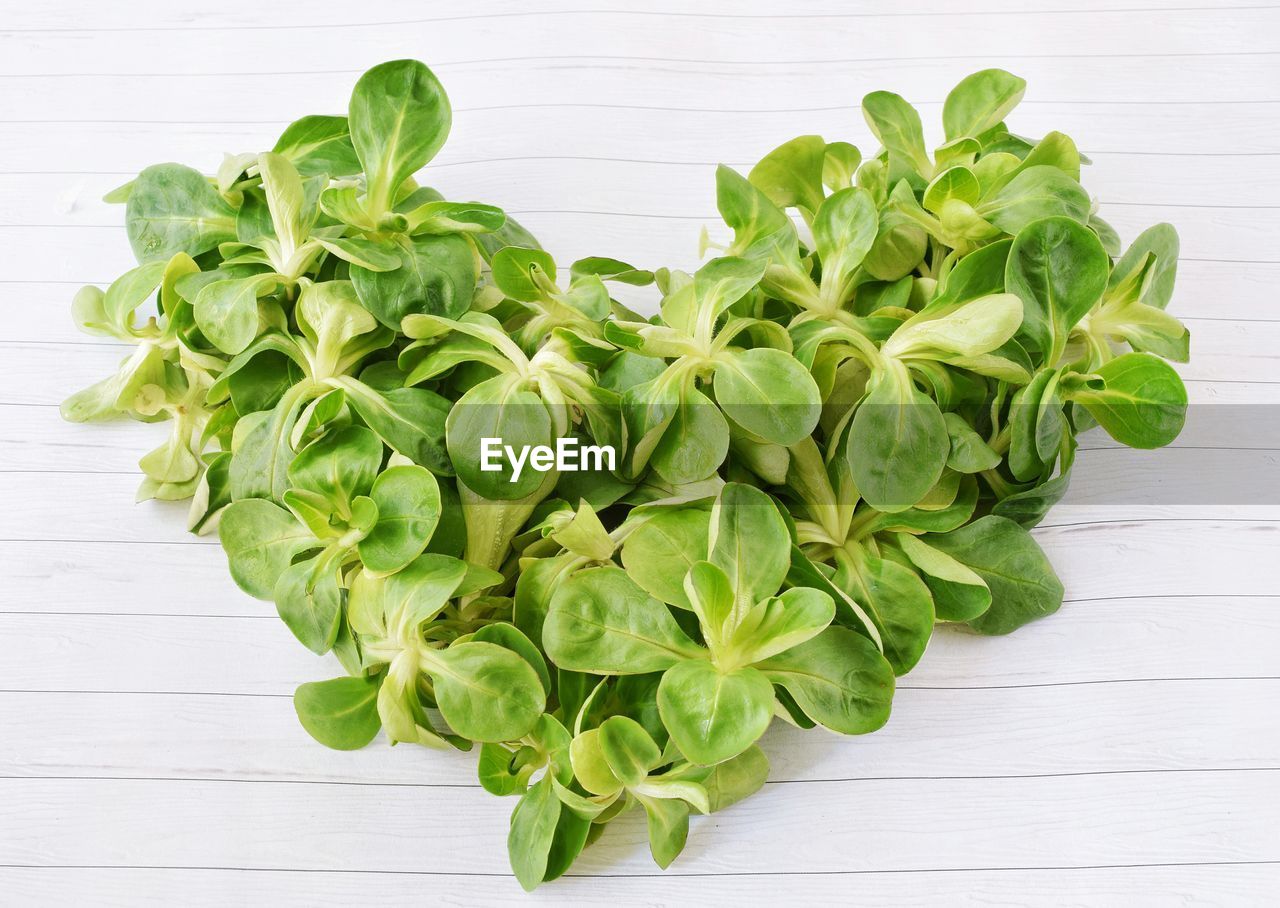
954	687
269	617
605	158
354	783
660	14
660	876
693	61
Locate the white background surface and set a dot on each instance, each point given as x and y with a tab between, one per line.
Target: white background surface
1125	751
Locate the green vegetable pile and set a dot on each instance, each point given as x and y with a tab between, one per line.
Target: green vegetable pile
834	436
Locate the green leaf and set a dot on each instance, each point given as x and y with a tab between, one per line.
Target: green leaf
1059	269
263	451
340	466
523	274
408	500
758	225
291	215
768	393
412	595
953	184
319	146
601	622
776	625
366	254
791	174
1160	242
897	443
980	102
309	601
965	330
455	217
733	780
341	713
126	293
485	692
510	637
695	441
590	767
399	118
661	550
533	826
749	541
838	678
969	453
723	281
495	414
668	823
261	539
897	125
410	420
174	209
710	594
840	165
1142	402
227	311
1022	582
436	276
843	231
898	602
628	749
959	594
714	715
1037	192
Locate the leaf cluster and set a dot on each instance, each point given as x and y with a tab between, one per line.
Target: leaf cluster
831	439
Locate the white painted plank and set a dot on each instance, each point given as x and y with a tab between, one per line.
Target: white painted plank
1133	728
100	253
85	506
900	825
188	576
291	15
65	197
637	187
762	43
43	207
1099	887
1086	642
592	117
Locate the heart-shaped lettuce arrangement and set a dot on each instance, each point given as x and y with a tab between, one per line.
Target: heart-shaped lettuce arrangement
832	437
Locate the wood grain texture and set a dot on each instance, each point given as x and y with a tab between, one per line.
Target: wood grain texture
1192	884
1125	751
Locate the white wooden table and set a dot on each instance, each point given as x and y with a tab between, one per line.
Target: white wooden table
1125	751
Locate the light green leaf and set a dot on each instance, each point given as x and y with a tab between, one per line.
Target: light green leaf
1142	402
174	209
601	622
980	102
399	118
341	713
712	715
838	678
408	500
485	692
261	539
